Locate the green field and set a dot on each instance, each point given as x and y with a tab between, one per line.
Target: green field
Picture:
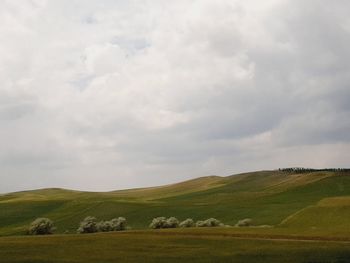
311	206
279	199
189	245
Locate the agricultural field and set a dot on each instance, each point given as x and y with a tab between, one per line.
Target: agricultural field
278	199
177	245
296	218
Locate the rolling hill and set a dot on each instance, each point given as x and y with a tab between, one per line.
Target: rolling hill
313	202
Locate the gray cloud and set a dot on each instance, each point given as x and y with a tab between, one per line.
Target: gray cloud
115	94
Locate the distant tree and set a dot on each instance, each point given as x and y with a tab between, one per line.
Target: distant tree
187	223
211	222
163	222
119	224
41	226
88	225
116	224
172	222
104	226
244	222
200	223
158	222
300	170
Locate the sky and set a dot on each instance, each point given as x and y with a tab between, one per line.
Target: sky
112	94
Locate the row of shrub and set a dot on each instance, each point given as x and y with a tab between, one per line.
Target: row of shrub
44	226
300	170
173	222
90	225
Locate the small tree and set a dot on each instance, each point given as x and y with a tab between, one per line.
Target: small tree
163	222
118	224
41	226
187	223
200	223
172	222
104	226
211	222
158	222
88	225
244	222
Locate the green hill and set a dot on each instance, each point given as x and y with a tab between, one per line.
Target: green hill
313	201
330	214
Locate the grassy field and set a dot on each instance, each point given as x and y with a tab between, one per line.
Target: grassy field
306	218
287	201
177	245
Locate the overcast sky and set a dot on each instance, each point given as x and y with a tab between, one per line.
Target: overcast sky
102	95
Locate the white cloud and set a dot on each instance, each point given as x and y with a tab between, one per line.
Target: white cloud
142	93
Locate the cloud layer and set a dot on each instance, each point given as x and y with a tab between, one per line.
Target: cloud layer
103	95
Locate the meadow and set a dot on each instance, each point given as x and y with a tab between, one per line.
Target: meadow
296	218
185	245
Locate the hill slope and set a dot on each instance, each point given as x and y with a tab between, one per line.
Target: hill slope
282	199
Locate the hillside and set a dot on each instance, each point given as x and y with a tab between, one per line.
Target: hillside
309	202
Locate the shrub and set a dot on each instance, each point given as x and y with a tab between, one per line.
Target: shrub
211	222
158	222
88	225
200	223
172	222
104	226
163	222
187	223
244	222
41	226
118	224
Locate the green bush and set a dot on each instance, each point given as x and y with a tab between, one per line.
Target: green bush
88	225
158	222
118	224
105	226
211	222
200	223
172	222
41	226
244	222
187	223
163	222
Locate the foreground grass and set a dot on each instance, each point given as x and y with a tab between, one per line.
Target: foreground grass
185	245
